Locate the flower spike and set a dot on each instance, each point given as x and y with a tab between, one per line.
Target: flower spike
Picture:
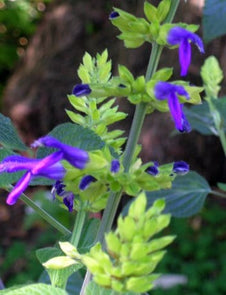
165	90
182	37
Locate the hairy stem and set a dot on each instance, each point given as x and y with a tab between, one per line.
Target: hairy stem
46	216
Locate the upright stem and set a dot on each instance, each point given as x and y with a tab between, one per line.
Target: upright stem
138	119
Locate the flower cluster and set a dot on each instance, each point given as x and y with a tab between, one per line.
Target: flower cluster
48	167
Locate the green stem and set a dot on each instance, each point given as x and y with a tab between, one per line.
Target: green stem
52	221
218	194
222	139
78	226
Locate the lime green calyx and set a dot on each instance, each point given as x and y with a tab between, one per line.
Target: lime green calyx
132	253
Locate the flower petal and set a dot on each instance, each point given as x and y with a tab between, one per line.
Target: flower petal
69	201
81	89
153	170
184	56
86	181
19	188
115	166
73	155
46	162
16	163
175	110
180	167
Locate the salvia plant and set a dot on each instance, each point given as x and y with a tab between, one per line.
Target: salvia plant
90	165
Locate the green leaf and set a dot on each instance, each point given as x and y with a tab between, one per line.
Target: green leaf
185	198
214	20
222	186
9	137
92	288
58	277
201	119
8	178
212	75
34	289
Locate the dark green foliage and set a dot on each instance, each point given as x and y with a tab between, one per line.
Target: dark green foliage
214	21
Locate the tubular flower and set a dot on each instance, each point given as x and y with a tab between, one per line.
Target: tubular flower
68	197
115	166
86	181
182	37
81	90
75	156
165	90
49	167
153	170
180	167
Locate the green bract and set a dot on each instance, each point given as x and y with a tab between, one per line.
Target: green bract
97	73
132	254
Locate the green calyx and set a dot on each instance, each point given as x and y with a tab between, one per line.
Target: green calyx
132	253
135	31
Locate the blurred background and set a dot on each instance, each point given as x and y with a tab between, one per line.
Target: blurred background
41	46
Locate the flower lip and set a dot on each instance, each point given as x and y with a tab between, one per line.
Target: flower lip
182	37
181	167
75	156
113	15
81	90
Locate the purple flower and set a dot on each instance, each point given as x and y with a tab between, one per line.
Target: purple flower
86	181
113	15
48	167
69	201
180	167
81	89
153	169
75	156
58	189
115	166
68	197
165	90
182	37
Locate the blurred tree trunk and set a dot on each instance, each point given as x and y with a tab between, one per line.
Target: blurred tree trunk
35	97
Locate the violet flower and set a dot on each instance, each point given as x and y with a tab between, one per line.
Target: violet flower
113	15
115	166
182	37
81	90
153	169
180	167
68	197
165	90
75	156
86	181
49	167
